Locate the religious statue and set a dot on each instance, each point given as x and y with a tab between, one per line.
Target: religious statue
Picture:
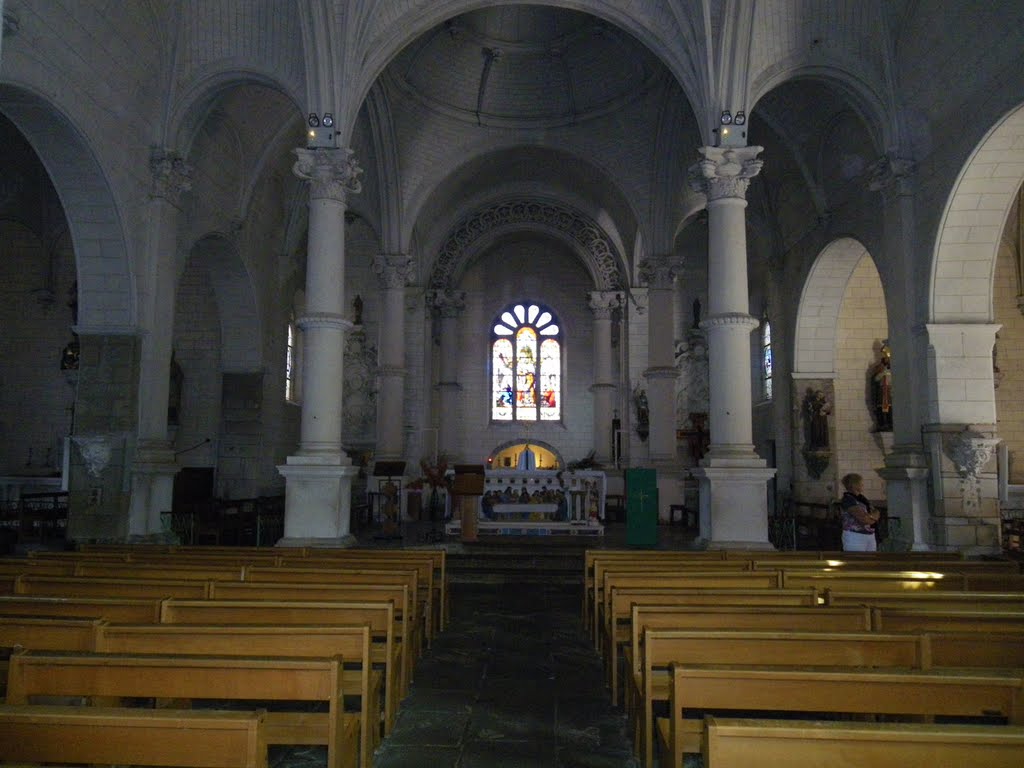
643	414
816	412
880	376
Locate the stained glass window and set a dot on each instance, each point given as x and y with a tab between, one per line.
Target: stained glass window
766	359
290	365
526	365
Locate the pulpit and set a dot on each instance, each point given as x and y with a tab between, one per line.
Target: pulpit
467	488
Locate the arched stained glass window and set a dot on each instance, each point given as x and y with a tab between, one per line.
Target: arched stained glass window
526	365
767	363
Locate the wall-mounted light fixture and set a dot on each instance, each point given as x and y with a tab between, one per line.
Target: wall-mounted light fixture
321	131
740	119
732	132
727	117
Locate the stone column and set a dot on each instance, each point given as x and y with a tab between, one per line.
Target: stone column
449	306
961	437
393	271
318	478
659	273
154	466
603	303
732	477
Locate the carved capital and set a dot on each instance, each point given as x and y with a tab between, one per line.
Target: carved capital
96	451
172	176
323	320
971	451
725	171
393	269
332	174
731	319
604	302
660	271
888	172
447	303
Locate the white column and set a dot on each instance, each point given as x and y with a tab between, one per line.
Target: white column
603	303
318	478
961	437
659	273
154	467
733	494
449	306
393	271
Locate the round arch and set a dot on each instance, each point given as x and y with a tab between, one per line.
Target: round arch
513	446
967	243
106	283
817	320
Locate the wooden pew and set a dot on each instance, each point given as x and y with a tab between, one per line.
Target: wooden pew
351	643
127	610
662	648
976	649
899	581
83	586
620	613
740	743
932	620
163	571
39	673
404	635
944	600
905	693
379	617
859	565
120	736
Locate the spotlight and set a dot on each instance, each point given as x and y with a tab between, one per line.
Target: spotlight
328	120
726	117
314	121
740	119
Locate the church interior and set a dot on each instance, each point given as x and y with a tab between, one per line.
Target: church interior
335	275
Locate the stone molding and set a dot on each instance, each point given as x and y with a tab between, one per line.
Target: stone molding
725	171
324	320
659	272
597	246
604	302
392	371
661	372
393	270
727	319
172	176
332	174
447	303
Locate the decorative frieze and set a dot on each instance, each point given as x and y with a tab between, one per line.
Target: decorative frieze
332	174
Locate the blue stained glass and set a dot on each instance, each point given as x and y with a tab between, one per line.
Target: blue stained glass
767	360
526	371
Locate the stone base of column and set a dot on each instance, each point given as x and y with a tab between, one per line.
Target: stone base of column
317	502
734	506
906	486
152	489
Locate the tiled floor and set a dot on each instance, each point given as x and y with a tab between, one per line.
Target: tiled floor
512	682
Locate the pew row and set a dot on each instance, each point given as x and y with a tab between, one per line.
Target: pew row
740	743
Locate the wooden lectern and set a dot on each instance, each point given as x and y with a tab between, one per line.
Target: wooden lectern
467	488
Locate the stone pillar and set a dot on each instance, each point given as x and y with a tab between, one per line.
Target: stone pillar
318	478
603	303
659	273
961	437
448	305
393	271
154	466
732	477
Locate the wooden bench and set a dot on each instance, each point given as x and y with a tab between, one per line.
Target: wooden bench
39	673
126	610
119	736
905	693
898	581
620	613
351	643
662	648
385	652
942	600
83	586
858	565
933	620
740	743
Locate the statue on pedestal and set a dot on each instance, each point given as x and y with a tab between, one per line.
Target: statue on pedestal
880	376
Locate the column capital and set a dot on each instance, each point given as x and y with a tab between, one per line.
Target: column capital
447	303
333	174
603	302
890	173
727	319
172	176
323	320
659	271
725	171
393	269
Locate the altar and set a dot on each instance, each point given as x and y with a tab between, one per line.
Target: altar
539	502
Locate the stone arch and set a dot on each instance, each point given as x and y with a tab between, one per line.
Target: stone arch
240	327
967	244
525	441
582	233
817	318
106	295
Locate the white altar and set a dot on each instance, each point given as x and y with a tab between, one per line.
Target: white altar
538	502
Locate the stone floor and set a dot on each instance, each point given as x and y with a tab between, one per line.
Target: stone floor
512	682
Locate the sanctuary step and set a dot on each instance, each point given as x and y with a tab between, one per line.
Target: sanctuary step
553	562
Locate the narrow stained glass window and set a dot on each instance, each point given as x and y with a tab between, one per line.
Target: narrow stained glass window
289	365
766	359
526	365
